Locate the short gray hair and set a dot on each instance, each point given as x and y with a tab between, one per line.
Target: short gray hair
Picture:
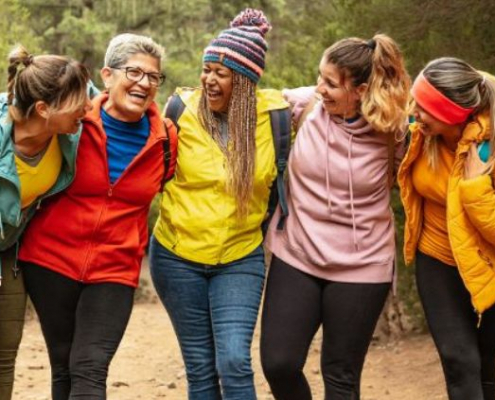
125	45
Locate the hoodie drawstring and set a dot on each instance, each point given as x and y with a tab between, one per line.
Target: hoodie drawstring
2	234
327	168
351	192
15	268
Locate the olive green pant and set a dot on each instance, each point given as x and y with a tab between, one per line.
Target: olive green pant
12	311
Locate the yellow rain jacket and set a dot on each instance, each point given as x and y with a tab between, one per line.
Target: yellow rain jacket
470	215
197	218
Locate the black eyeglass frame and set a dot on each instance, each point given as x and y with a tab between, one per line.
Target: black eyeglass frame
161	76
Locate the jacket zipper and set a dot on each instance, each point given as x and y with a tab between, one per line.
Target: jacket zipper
18	219
109	194
91	242
407	167
479	314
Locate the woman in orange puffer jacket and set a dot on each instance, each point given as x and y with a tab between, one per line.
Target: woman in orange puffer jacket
449	200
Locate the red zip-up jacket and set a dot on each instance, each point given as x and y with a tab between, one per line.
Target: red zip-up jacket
96	231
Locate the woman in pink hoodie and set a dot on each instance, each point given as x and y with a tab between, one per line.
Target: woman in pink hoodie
333	256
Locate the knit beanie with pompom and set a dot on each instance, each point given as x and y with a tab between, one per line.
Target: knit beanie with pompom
242	48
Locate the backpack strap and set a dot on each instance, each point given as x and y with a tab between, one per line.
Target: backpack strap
391	159
174	109
169	152
281	132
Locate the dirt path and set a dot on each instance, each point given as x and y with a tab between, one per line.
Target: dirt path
148	365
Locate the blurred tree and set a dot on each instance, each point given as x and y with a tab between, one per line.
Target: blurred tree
15	28
426	29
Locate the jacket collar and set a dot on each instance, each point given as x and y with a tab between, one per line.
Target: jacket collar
477	130
157	129
266	99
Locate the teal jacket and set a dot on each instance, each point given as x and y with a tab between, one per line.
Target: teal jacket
13	219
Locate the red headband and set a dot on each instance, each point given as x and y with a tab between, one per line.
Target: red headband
437	104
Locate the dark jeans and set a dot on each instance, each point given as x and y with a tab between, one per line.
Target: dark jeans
213	310
467	353
83	325
295	306
12	310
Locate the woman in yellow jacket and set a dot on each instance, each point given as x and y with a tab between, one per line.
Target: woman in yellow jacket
449	200
207	262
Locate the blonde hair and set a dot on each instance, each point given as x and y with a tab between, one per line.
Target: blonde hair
240	149
379	64
465	86
58	81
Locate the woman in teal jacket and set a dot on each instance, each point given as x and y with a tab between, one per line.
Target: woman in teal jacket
45	101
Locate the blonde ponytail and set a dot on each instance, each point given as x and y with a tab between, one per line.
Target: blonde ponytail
384	104
379	64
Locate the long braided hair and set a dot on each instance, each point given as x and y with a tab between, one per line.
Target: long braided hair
240	147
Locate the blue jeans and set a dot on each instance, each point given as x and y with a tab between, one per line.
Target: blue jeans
213	309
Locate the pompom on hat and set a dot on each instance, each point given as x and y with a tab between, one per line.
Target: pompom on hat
242	48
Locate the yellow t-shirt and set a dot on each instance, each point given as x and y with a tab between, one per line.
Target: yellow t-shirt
37	180
432	184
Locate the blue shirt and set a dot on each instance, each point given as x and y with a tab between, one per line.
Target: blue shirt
124	141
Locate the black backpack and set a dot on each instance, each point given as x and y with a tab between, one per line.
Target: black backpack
281	131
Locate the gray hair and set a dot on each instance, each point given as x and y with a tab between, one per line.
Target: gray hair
465	86
124	46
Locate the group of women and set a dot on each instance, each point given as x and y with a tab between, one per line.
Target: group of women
83	173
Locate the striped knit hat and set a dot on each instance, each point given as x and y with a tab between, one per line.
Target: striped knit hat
242	48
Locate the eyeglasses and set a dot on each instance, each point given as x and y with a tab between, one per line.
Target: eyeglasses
136	74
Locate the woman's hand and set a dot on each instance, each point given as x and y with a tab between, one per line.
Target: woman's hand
474	167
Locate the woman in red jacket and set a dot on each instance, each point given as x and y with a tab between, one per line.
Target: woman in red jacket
82	254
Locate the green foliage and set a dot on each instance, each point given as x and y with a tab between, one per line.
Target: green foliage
15	29
426	29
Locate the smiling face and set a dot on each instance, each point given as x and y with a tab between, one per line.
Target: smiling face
217	81
67	118
430	126
69	121
339	96
129	100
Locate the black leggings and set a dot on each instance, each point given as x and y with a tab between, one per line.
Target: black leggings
467	353
83	325
295	305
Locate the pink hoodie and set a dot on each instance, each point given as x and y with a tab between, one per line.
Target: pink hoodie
339	226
